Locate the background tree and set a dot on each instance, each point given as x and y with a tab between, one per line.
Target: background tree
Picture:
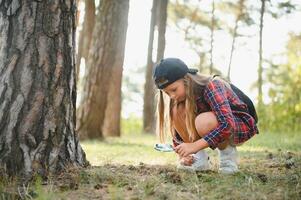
198	26
240	14
212	35
149	91
105	55
161	23
112	120
276	9
158	20
284	91
85	35
112	124
37	87
259	82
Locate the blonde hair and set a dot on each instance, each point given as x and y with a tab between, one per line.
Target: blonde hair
193	83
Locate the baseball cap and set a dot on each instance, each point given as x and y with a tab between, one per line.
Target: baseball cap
169	70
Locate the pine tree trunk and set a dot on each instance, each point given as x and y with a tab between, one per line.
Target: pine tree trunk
37	87
149	90
262	10
108	37
85	34
112	120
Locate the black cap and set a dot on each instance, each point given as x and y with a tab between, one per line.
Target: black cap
169	70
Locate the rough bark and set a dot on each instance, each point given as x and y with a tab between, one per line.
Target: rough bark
262	11
149	90
85	34
104	56
37	87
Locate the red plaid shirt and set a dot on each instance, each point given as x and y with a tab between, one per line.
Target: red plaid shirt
217	97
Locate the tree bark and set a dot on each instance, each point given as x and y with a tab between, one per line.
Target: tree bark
85	34
104	56
112	121
38	87
260	100
149	90
161	22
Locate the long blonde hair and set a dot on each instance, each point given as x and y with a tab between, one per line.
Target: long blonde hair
193	83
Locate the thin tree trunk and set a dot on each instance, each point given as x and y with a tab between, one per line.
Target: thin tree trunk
238	18
201	56
38	87
212	36
260	99
149	91
105	55
161	22
85	34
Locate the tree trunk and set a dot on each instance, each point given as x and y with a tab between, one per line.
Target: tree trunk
85	34
37	87
161	22
238	18
149	90
212	36
77	13
202	58
112	122
105	55
262	10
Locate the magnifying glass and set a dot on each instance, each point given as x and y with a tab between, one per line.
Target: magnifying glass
164	147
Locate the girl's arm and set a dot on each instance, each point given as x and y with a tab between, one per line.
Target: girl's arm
185	149
216	96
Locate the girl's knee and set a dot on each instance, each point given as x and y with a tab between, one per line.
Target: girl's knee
205	122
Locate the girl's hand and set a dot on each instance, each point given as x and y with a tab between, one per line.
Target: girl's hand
185	149
187	161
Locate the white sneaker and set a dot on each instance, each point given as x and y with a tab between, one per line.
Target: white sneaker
228	160
201	162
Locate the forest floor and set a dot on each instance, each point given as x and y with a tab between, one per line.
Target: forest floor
129	168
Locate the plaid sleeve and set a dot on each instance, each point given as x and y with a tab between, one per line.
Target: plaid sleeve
215	96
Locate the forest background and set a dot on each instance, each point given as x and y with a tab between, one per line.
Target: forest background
77	99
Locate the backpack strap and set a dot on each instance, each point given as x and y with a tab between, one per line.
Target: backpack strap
244	98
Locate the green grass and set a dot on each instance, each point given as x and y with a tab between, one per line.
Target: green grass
136	148
129	168
129	149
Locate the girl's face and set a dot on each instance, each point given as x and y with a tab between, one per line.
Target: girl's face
176	91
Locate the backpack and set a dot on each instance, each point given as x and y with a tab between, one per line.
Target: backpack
244	98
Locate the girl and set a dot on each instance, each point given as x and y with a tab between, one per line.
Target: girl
203	112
